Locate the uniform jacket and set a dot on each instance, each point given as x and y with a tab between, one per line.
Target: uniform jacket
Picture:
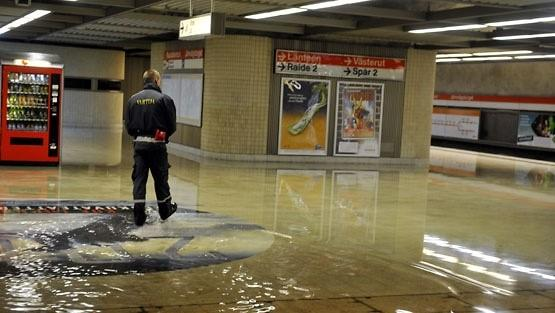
149	110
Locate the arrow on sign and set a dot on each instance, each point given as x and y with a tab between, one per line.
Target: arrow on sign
281	66
348	61
348	71
281	57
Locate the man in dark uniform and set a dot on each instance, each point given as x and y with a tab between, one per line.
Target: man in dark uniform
151	121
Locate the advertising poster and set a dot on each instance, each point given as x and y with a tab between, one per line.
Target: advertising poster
537	129
456	122
299	206
359	112
303	128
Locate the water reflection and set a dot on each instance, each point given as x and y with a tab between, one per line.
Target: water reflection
334	234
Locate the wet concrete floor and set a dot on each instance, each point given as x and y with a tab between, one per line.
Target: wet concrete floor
472	234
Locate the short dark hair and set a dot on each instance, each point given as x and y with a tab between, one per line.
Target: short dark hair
150	76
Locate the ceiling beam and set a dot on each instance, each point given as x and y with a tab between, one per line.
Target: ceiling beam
59	8
315	21
481	12
138	4
112	3
265	27
16	12
120	29
111	34
359	10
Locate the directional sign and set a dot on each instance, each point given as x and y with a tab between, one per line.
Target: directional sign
184	59
337	65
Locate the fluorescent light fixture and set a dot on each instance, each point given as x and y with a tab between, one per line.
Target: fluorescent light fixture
447	60
454	55
523	21
491	53
487	59
329	4
275	13
517	37
23	20
446	29
528	57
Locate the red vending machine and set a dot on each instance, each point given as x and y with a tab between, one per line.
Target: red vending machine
31	107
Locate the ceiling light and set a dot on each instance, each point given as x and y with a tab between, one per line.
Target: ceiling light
454	55
446	29
275	13
447	60
485	54
23	20
527	57
517	37
523	21
487	59
329	4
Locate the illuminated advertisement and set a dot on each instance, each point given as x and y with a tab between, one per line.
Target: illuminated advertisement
536	129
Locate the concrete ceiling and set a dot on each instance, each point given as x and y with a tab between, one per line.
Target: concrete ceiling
134	24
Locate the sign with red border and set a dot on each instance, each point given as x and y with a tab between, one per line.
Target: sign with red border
338	65
184	59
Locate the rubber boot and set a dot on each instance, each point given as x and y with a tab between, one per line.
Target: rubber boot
139	214
166	209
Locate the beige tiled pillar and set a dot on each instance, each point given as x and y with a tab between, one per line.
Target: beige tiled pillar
417	112
237	72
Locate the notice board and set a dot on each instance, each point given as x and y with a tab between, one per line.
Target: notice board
186	91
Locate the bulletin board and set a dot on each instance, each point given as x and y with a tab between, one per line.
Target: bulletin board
186	90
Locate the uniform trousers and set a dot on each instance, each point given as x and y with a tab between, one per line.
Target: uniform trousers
153	157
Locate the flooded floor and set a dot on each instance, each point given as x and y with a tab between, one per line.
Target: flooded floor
473	234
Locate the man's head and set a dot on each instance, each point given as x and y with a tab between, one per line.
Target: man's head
151	76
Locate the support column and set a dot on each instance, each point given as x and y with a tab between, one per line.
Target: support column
418	104
237	76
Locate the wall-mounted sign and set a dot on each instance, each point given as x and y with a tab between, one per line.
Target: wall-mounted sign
201	26
456	122
184	59
338	65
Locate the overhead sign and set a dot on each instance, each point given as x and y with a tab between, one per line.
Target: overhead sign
184	59
338	65
201	26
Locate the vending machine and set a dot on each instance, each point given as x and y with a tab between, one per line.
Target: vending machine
31	109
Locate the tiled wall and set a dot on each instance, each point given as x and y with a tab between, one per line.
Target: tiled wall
241	96
417	110
237	73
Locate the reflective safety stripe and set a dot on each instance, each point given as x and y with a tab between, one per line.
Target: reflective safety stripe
166	199
147	139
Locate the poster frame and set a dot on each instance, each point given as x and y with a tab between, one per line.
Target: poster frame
336	139
324	151
183	120
522	144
